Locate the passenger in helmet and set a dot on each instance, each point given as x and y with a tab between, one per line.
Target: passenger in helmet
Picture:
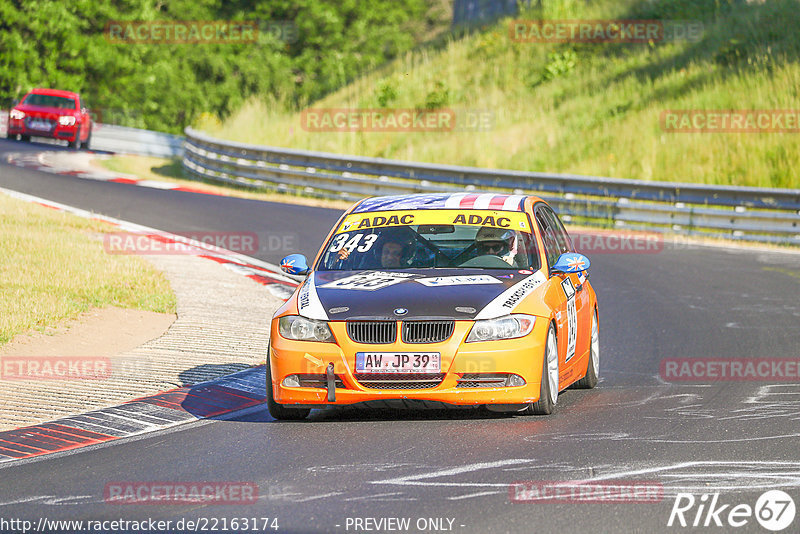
500	242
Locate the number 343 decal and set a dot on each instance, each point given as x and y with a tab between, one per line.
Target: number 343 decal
344	241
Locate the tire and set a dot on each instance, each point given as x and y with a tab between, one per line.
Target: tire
11	136
593	367
548	390
86	145
26	138
76	144
278	411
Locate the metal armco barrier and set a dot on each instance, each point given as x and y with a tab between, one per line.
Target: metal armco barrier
746	213
121	139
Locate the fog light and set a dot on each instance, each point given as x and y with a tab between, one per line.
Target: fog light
514	381
291	381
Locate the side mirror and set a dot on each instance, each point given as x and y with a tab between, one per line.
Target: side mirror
295	264
571	262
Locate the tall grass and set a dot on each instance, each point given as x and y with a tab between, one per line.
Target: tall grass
580	108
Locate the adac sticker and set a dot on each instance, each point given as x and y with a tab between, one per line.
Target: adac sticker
495	219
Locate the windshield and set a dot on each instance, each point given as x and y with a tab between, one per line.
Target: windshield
430	246
50	101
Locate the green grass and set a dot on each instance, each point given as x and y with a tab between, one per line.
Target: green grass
579	108
53	267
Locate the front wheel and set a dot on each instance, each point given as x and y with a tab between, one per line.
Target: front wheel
593	367
76	144
280	412
25	138
88	140
548	390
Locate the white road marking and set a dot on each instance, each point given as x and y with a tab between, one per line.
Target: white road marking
471	495
415	480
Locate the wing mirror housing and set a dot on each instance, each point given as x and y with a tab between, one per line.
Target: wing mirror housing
571	262
295	264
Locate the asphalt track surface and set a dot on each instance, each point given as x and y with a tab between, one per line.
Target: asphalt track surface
735	438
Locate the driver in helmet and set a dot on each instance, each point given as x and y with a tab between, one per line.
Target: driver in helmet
393	249
500	242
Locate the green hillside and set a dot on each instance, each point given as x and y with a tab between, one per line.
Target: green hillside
582	108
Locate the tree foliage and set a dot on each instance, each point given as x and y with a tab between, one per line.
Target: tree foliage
65	45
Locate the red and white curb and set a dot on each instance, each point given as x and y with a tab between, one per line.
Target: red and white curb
213	399
77	164
262	272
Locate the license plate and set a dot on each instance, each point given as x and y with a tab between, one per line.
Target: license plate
398	362
40	125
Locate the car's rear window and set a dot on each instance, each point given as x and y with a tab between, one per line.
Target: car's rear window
50	101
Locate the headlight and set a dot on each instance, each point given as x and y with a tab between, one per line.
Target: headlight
66	120
302	329
508	327
17	114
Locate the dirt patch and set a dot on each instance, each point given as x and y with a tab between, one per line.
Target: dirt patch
98	332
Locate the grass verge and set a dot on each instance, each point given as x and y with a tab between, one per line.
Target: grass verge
53	267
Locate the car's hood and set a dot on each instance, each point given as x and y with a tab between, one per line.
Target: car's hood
415	294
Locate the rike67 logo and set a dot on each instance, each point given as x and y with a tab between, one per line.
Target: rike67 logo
774	510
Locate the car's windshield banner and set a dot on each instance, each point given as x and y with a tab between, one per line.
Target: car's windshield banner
496	219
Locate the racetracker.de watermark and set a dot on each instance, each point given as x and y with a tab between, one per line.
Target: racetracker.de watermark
604	31
608	242
181	493
730	121
55	368
730	369
74	367
182	31
582	491
186	243
396	120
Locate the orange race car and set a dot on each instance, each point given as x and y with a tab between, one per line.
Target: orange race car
455	299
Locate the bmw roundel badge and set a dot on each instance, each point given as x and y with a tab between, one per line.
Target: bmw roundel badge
400	311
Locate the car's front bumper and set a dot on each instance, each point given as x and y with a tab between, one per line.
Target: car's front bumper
522	356
67	133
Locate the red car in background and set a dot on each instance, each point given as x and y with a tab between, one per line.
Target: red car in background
51	113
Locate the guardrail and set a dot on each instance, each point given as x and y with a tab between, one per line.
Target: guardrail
121	139
124	140
745	213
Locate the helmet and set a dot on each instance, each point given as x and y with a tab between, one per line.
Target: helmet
500	242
